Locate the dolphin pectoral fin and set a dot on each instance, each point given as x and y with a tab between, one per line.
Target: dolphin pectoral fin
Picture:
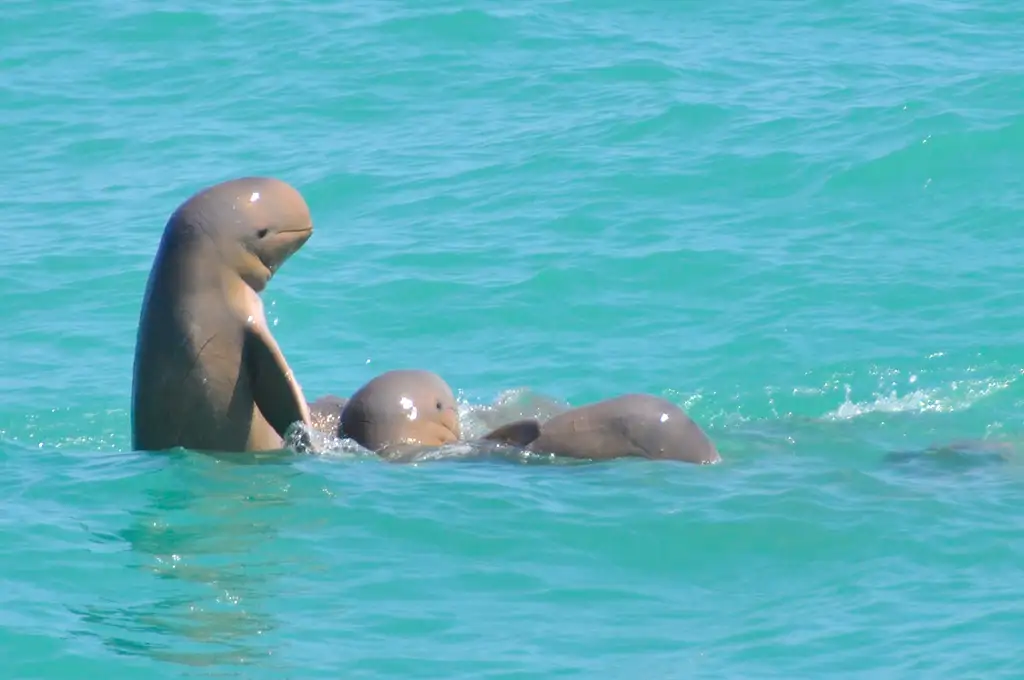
274	389
517	433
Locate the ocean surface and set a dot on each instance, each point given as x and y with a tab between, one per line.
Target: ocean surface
803	221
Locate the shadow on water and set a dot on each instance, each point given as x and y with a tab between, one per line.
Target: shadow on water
211	548
209	540
216	539
963	455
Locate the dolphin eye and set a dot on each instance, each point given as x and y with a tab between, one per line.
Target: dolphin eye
440	406
261	233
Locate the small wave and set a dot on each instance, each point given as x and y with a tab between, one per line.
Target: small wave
957	396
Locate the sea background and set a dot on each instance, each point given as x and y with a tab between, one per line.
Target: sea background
799	220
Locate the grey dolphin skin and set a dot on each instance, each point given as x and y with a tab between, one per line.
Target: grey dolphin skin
325	413
208	373
401	410
630	425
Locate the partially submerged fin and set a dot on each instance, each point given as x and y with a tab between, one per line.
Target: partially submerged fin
518	433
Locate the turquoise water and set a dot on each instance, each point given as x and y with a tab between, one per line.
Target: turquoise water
799	220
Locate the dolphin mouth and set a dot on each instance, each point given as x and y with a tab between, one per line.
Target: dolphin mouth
308	229
296	238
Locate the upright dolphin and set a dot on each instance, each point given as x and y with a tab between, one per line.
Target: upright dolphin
208	373
630	425
401	410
